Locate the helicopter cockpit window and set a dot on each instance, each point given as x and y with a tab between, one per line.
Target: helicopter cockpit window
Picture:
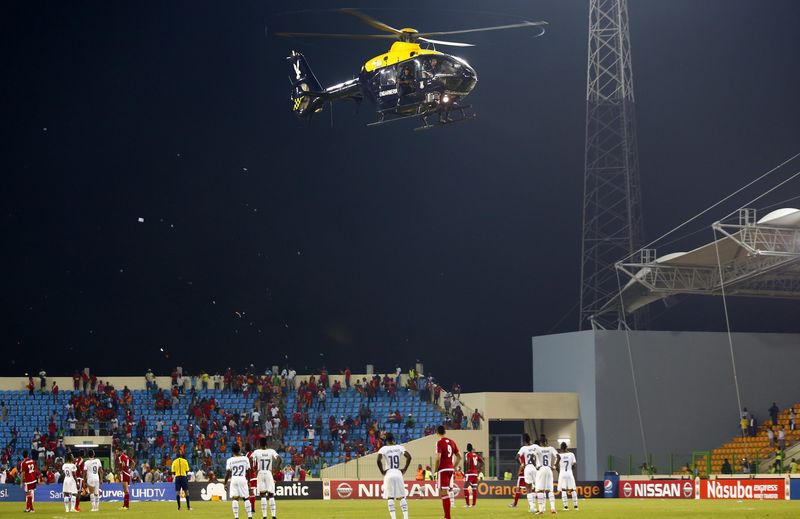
388	77
433	65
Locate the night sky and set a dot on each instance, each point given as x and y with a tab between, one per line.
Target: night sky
350	245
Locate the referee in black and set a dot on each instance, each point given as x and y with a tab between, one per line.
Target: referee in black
180	467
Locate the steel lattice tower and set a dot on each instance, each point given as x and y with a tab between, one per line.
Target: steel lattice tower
612	223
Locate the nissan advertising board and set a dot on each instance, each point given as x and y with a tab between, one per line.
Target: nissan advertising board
338	489
657	489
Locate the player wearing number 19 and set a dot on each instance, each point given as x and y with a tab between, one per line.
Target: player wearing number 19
393	486
236	469
264	462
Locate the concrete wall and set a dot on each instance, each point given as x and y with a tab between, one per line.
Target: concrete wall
566	362
686	387
422	450
522	406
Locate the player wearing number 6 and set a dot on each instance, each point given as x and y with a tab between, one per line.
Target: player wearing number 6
389	464
264	462
544	478
236	469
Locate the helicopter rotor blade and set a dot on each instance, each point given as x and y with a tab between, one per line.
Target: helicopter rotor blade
372	22
484	29
449	43
336	36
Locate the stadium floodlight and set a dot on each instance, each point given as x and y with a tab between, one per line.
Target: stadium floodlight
563	440
86	445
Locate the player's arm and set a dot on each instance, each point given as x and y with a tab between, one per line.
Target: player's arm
438	462
102	474
227	477
457	461
408	461
278	461
480	464
380	465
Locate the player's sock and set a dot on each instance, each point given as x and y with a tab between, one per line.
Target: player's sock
531	501
540	495
392	512
186	496
178	499
516	497
235	505
446	506
66	502
575	498
466	495
97	501
273	507
474	495
564	498
72	500
264	507
552	501
126	500
248	508
252	503
404	507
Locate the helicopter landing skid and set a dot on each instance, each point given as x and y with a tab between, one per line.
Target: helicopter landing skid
440	118
429	118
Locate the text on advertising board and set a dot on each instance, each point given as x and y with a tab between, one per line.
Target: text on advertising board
743	489
660	489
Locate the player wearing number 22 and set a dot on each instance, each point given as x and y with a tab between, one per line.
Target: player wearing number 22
447	457
236	469
389	464
264	462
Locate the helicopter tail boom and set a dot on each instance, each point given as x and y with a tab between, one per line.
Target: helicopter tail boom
306	96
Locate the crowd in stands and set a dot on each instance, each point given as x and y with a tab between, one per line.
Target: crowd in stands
272	404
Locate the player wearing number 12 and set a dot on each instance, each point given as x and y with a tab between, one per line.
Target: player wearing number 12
446	451
236	469
389	464
264	462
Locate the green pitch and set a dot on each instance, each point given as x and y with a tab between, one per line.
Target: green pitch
429	509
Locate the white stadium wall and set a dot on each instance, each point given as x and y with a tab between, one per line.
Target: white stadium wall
686	387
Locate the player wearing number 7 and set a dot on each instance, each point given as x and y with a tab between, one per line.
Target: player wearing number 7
389	464
265	461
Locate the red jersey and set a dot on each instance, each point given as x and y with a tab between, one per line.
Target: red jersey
29	470
447	448
472	459
123	463
79	465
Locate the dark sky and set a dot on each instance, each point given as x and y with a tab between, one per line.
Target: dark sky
381	245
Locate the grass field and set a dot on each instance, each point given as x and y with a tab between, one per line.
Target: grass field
430	509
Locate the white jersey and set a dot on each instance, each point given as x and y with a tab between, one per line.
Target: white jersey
238	465
529	454
392	454
264	459
566	462
92	469
547	457
70	469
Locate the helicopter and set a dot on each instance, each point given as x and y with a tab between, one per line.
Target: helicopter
408	81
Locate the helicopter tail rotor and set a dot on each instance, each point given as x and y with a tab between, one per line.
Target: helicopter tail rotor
306	94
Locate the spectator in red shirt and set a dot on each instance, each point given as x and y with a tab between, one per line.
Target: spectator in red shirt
55	391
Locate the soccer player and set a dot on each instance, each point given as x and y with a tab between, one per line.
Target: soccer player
264	461
566	479
252	476
544	478
79	480
528	456
179	469
124	470
70	486
94	475
389	464
29	472
236	469
520	485
446	450
474	464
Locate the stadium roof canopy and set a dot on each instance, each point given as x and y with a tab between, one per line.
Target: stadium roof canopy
756	258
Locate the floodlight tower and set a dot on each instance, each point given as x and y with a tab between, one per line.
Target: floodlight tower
612	222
